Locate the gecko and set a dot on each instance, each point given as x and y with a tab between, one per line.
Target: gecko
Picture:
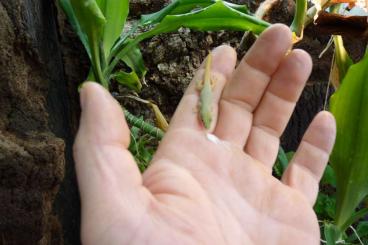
205	88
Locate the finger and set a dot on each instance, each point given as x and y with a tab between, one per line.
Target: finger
223	64
246	88
277	105
308	164
103	164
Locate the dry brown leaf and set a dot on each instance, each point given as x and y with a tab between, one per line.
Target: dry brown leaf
334	75
160	118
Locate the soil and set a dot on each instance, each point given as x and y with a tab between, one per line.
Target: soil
172	60
42	63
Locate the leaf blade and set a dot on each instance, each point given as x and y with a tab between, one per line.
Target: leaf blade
208	19
89	16
68	10
92	22
349	158
134	59
116	13
128	79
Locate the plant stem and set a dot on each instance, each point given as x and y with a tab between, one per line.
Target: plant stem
298	23
96	64
144	126
124	50
121	43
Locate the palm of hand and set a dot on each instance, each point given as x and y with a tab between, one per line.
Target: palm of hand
200	190
230	198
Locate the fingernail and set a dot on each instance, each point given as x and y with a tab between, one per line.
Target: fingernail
217	49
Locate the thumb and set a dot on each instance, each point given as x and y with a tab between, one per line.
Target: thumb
104	165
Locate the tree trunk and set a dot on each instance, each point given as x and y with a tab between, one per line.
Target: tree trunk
34	125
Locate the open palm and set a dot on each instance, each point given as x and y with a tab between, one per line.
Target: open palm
212	187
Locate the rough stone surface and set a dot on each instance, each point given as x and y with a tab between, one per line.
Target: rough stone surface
31	155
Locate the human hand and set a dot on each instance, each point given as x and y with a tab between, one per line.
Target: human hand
208	191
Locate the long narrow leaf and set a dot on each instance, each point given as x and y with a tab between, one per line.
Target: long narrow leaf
68	10
134	60
355	217
156	17
115	12
218	16
350	155
92	22
342	58
89	16
185	6
297	26
160	118
240	7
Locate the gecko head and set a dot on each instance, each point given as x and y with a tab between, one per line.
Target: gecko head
207	120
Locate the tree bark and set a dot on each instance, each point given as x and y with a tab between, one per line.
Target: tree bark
34	123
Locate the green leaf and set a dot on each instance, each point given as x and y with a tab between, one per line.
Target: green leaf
134	60
362	230
355	217
349	158
218	16
92	22
129	80
329	177
282	161
297	26
342	58
68	10
183	7
240	7
115	12
177	7
90	17
325	206
190	5
331	234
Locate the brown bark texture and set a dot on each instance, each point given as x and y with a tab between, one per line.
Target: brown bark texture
32	122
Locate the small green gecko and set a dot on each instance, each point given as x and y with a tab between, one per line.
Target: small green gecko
206	95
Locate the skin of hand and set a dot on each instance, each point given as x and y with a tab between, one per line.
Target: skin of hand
199	191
